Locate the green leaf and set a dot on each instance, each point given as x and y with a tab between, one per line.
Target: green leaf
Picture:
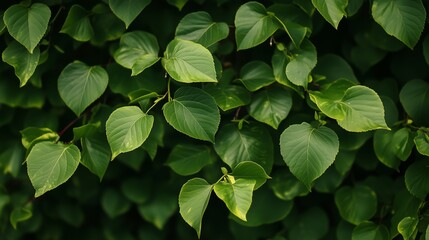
11	159
200	28
416	105
384	148
86	130
137	51
308	151
128	10
20	214
403	19
50	165
33	135
127	128
194	113
271	106
253	25
188	159
161	207
407	227
21	60
256	74
107	26
302	62
114	203
357	109
422	142
425	44
27	24
369	230
402	143
133	190
266	208
417	178
193	200
186	61
237	195
77	24
178	3
332	10
356	204
27	97
80	85
251	171
96	153
286	186
294	21
250	143
228	96
279	61
315	219
334	67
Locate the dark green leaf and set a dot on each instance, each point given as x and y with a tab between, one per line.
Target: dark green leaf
332	10
114	203
417	178
301	64
187	159
369	230
194	113
315	219
384	148
128	10
77	24
256	74
228	96
20	214
356	204
402	143
27	24
96	153
414	97
178	3
286	186
308	151
252	171
334	67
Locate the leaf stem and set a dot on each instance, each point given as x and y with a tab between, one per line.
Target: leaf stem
157	101
168	90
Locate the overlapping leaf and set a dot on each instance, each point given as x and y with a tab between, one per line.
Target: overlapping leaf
356	204
256	74
128	10
228	96
78	24
417	179
414	97
302	63
422	142
332	10
187	159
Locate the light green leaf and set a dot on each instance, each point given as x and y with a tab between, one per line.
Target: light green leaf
422	142
96	153
80	85
357	109
77	24
193	200
21	60
127	128
417	178
402	143
194	113
228	96
407	227
414	97
200	28
186	61
237	196
253	25
332	10
114	203
250	143
178	3
403	19
20	214
266	208
279	61
294	21
308	151
252	171
303	61
356	204
188	159
256	74
27	24
33	135
369	230
137	51
271	106
128	10
384	148
50	165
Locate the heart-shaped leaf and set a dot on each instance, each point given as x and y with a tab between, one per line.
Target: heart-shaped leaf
200	28
193	200
252	171
96	154
253	25
228	96
194	113
250	143
51	164
127	128
416	105
80	85
256	74
21	60
128	10
417	178
422	142
77	24
237	196
369	230
356	204
188	159
308	151
271	106
406	28
407	227
302	63
187	62
137	51
27	24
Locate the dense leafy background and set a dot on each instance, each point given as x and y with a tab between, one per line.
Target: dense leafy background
214	119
